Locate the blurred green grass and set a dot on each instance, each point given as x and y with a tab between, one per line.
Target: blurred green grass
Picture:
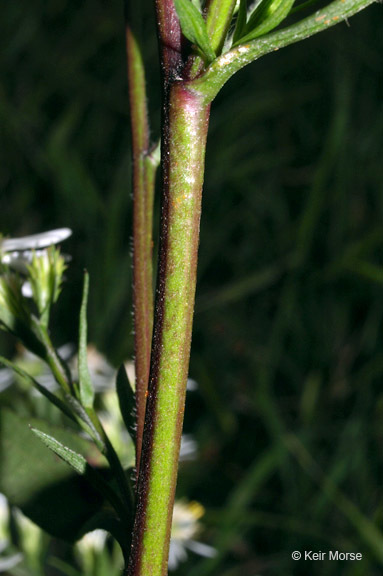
287	347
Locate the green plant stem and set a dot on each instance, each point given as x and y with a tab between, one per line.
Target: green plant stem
183	152
99	436
143	193
59	371
209	83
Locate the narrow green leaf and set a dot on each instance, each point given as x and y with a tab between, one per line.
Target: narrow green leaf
126	398
51	397
209	82
262	11
365	269
75	460
194	26
79	463
240	25
267	16
303	6
44	487
85	382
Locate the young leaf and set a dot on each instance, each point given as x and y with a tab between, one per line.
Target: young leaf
44	391
76	461
267	16
240	25
85	382
127	401
194	27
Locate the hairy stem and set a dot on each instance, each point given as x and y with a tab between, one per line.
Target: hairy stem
183	152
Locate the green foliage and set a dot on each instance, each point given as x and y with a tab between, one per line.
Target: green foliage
76	461
126	398
240	21
55	400
85	383
266	16
45	489
194	27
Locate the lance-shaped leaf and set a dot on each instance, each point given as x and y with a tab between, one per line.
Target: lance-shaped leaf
76	461
79	463
85	382
44	391
267	16
209	82
194	27
126	398
240	25
46	489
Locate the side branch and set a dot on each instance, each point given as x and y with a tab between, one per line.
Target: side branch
223	68
143	188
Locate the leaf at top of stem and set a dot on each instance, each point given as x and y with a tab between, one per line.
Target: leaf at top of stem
85	382
126	398
240	25
210	82
267	16
193	27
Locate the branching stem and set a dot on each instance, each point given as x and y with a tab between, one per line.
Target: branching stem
143	194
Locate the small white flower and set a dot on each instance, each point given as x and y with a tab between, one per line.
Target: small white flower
29	256
189	448
31	537
17	253
90	553
7	562
6	378
93	541
4	520
10	562
185	528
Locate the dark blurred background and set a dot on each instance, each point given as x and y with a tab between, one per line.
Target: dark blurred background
288	342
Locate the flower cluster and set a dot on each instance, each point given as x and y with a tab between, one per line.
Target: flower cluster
30	267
